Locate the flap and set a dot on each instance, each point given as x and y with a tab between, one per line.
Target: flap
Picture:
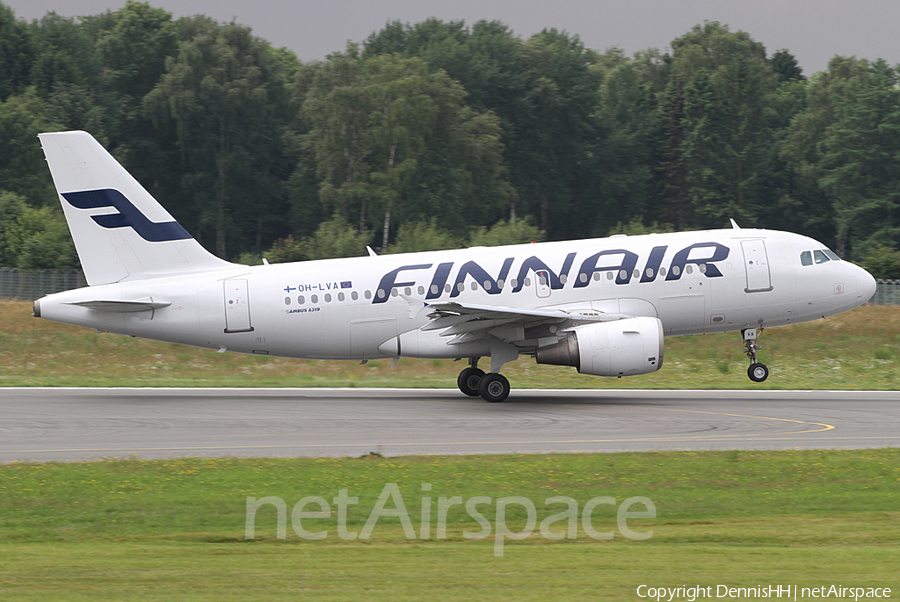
463	319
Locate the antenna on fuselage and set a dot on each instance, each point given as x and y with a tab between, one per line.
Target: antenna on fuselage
734	224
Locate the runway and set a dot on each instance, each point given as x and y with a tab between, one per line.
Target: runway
84	424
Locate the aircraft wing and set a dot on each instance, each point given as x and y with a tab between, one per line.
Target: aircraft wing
467	321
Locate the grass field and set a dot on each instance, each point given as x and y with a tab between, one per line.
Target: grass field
858	349
175	529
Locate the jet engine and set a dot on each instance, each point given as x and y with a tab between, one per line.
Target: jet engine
619	348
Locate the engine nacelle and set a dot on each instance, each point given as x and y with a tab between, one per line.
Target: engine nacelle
619	348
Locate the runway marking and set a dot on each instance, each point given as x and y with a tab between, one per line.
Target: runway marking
828	427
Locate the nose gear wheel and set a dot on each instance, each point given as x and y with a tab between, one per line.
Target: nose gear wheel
757	372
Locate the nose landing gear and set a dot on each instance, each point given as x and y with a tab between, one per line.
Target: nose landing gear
757	372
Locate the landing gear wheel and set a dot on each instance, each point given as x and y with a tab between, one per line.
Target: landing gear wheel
468	381
758	372
494	388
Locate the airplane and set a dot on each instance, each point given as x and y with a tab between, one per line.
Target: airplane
603	306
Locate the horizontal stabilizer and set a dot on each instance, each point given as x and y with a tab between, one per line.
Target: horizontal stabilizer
121	307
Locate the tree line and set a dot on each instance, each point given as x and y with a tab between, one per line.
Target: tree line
442	134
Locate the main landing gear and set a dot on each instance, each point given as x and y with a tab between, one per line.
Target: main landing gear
757	372
474	382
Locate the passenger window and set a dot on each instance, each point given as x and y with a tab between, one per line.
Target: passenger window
806	258
820	257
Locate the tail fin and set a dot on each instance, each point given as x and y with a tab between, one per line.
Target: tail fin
120	230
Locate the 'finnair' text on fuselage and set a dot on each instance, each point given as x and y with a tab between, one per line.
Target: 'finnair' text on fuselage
619	262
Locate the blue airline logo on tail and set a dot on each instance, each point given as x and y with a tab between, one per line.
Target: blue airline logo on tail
128	215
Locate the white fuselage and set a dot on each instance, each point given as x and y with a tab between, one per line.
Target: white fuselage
694	282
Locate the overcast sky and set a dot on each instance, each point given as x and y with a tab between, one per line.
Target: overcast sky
813	30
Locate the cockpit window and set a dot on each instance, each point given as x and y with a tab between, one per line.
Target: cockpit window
820	256
831	255
806	258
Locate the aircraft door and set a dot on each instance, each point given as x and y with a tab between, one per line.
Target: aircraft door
756	265
542	283
237	306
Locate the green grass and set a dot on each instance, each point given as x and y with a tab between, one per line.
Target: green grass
453	572
856	350
174	529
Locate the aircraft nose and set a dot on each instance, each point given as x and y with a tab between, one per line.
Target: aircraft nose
865	286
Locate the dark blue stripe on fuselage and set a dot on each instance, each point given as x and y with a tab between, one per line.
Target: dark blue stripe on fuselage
128	215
